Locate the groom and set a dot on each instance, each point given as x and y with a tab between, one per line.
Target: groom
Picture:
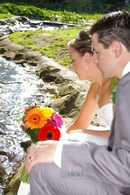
72	168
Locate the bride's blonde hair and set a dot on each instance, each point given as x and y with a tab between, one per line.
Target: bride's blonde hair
82	43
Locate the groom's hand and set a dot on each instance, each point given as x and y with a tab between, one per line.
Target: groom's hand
42	152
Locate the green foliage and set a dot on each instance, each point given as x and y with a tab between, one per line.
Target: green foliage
44	14
5	15
128	8
33	136
113	89
94	6
76	5
113	96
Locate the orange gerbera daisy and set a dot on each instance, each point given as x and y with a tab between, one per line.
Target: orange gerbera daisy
34	119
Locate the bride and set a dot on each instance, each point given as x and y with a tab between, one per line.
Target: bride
98	99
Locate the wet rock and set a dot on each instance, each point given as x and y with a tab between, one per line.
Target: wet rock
25	144
50	75
21	24
2	172
68	104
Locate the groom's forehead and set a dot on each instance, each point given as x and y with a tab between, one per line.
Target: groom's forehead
94	38
95	42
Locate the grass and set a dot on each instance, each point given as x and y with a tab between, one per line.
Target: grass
52	43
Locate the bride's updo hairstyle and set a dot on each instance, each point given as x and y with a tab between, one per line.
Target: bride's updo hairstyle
82	43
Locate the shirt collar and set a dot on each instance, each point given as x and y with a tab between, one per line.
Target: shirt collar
126	69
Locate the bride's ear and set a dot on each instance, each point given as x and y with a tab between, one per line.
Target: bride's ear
87	56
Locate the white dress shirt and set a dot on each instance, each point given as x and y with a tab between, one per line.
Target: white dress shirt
126	69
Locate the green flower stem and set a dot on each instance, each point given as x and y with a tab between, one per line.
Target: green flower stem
24	177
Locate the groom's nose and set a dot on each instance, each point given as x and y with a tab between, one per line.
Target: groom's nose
94	58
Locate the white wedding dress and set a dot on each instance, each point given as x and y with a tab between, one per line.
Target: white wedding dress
105	115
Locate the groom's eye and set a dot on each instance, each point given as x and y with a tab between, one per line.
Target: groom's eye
96	52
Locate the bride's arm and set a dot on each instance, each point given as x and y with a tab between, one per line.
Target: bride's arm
87	112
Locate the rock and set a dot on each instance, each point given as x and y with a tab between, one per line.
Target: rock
25	144
13	186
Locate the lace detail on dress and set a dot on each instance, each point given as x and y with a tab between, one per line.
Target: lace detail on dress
105	114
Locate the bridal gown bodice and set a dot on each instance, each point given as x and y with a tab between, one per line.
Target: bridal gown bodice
105	114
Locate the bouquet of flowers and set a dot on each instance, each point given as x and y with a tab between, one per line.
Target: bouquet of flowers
40	123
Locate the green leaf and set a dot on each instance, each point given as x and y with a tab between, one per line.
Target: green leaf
33	134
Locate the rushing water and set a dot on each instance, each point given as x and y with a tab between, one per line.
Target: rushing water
19	87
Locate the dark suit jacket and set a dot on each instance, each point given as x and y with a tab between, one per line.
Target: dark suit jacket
106	164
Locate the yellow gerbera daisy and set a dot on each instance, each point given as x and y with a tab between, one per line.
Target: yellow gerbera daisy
47	112
34	118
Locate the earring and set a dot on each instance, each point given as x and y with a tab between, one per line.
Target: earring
87	67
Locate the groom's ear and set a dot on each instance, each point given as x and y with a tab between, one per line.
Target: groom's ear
116	48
